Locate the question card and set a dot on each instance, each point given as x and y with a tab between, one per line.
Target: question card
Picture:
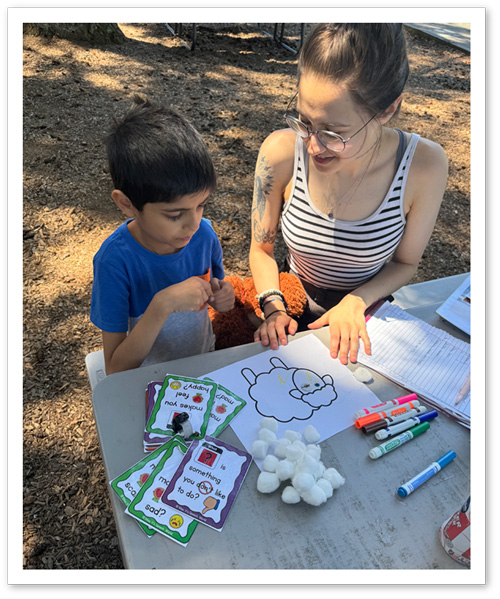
152	442
146	506
129	483
225	407
182	394
207	481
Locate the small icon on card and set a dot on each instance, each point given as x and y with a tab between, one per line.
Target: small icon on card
209	454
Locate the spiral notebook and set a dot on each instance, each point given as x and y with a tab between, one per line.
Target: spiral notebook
421	358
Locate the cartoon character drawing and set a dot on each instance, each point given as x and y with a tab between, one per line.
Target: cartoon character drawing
289	393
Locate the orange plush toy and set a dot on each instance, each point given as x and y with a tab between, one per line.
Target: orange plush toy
237	326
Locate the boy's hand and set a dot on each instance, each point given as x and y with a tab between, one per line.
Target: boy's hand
190	295
222	298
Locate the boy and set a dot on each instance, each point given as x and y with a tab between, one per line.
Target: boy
154	276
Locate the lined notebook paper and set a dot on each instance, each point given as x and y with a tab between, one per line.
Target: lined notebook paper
421	358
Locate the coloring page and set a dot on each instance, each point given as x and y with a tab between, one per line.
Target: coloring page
297	384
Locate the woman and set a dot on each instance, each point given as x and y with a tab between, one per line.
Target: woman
357	199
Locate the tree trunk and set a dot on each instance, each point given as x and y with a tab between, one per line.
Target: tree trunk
99	33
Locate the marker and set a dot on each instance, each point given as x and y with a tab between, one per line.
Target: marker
386	405
394	411
376	426
380	450
405	425
423	476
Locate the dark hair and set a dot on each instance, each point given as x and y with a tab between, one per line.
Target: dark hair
156	155
370	58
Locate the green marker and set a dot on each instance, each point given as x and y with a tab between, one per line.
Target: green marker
408	435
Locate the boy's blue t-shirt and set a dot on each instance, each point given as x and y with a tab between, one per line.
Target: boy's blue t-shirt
127	275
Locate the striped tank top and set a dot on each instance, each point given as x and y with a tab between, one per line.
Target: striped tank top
337	254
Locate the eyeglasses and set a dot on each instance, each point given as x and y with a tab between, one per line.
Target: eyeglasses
329	139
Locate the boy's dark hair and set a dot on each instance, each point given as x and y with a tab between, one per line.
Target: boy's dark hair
370	58
156	155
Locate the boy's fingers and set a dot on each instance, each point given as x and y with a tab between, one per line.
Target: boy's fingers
292	327
216	284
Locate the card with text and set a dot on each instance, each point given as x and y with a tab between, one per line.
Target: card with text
207	481
152	441
226	406
146	506
180	394
129	483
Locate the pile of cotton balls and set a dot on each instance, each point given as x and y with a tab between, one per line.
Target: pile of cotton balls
296	461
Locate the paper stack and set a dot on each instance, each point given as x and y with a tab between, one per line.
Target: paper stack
422	359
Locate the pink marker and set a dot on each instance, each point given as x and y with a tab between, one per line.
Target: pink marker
386	405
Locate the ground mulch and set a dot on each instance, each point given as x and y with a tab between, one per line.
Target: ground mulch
234	88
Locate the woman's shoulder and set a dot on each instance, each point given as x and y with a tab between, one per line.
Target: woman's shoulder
279	146
429	157
428	173
276	156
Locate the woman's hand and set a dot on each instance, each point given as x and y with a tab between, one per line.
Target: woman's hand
347	324
273	330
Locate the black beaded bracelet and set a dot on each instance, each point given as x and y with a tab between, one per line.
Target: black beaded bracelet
265	294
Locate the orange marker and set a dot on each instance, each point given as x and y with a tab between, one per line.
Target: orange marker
370	418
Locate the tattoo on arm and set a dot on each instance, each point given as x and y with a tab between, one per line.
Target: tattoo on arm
263	185
264	235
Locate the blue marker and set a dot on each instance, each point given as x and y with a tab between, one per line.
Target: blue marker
405	425
423	476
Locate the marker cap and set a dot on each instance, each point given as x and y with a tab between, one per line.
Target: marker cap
428	416
447	458
419	429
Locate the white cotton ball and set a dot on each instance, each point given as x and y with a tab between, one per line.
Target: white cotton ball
267	482
307	464
311	435
292	435
285	469
363	375
314	450
268	436
290	495
293	453
326	486
332	476
259	449
303	481
299	444
320	468
270	463
314	496
281	445
270	423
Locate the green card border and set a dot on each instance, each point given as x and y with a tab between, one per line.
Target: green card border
161	395
172	444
